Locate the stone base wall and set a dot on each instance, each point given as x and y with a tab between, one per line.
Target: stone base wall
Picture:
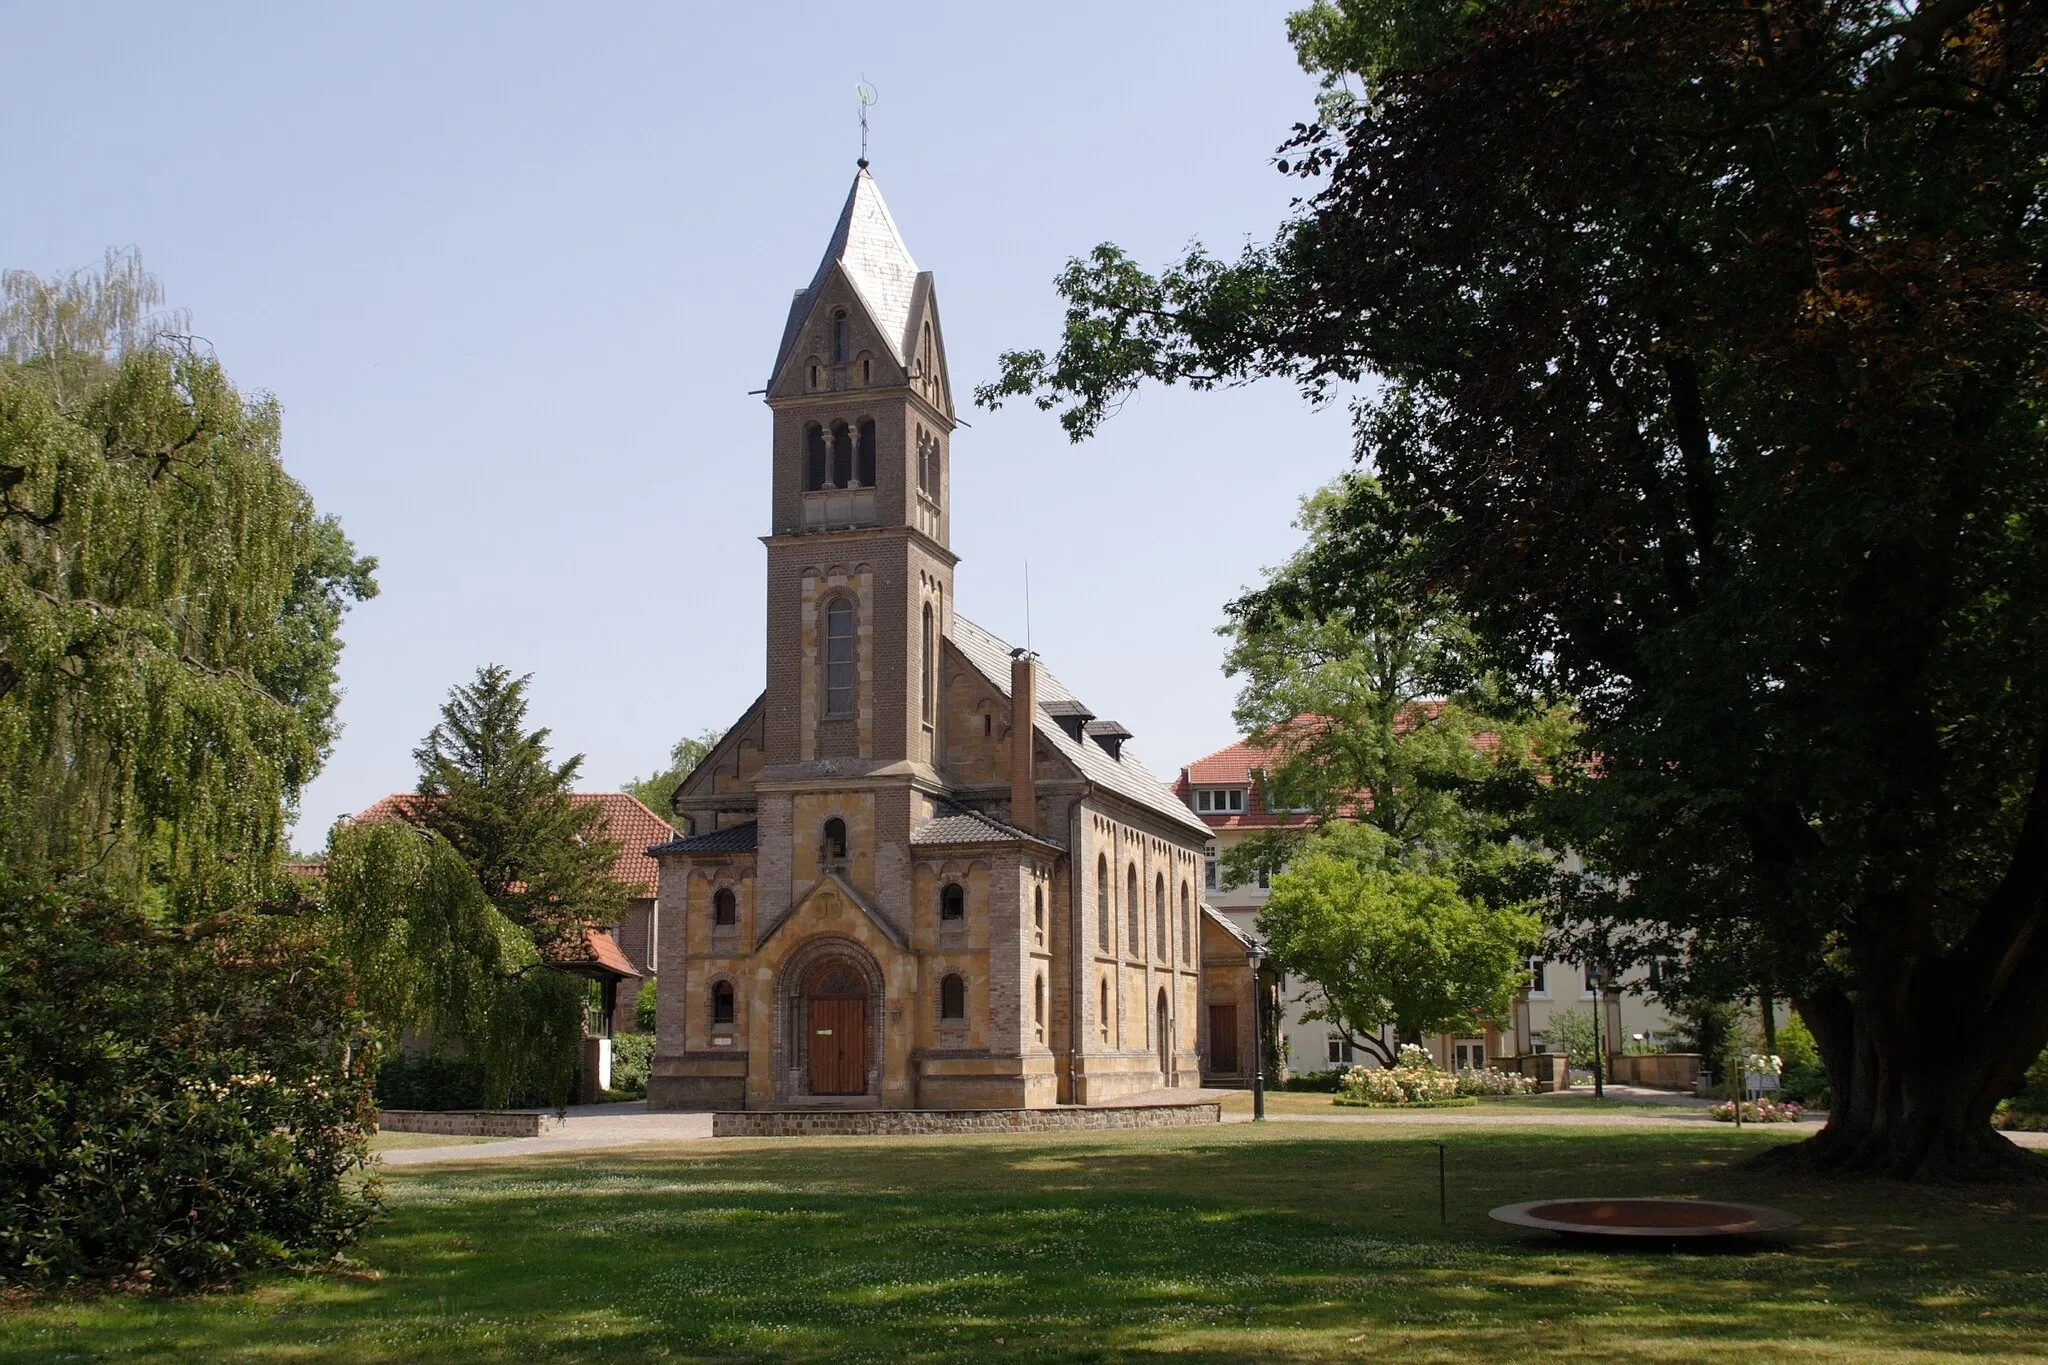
466	1122
694	1094
903	1122
1658	1070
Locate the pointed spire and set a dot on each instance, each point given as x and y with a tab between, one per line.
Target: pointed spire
866	244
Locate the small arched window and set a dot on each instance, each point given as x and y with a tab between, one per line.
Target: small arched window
1038	1006
814	458
1187	925
814	376
952	903
1134	924
839	337
1159	945
839	657
835	839
725	908
867	371
842	456
1102	1014
953	998
924	677
1102	900
721	1003
864	454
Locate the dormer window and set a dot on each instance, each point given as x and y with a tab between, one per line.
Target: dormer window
1229	801
839	337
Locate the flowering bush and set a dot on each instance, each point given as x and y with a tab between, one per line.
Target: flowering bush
1489	1082
1411	1080
1757	1111
1762	1064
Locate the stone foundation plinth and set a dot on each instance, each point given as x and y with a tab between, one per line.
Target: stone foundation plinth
466	1122
903	1122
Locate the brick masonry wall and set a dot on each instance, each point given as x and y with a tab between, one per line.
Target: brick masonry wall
466	1123
909	1122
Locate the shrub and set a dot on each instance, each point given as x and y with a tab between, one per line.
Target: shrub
1807	1085
1490	1082
430	1083
1410	1081
177	1107
632	1055
643	1008
1756	1111
1314	1082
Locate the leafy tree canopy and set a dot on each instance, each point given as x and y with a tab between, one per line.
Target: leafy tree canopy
170	600
1706	351
655	790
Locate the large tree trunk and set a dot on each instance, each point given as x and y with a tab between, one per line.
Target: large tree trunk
1914	1092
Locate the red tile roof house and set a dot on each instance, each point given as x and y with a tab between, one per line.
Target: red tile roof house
1226	790
617	956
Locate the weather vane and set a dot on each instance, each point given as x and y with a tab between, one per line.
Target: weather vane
865	93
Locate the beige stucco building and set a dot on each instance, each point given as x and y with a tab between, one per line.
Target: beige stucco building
918	872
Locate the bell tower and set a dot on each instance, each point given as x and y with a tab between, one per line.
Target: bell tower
860	579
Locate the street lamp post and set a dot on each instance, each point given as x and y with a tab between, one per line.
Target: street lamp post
1258	957
1597	975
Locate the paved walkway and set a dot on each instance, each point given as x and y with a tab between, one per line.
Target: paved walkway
595	1127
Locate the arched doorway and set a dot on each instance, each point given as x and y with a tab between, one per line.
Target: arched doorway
1165	1036
836	998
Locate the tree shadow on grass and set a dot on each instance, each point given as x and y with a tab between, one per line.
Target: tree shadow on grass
1236	1244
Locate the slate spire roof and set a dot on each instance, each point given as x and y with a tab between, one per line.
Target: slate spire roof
870	249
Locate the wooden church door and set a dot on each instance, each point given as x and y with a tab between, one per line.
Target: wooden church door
839	1034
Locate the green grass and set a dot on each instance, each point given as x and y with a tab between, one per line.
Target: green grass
1291	1242
399	1142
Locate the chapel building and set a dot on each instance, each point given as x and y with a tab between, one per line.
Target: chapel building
919	872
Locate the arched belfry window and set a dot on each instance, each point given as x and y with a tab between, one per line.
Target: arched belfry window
1102	901
839	337
864	454
722	1003
835	840
1159	948
839	657
952	903
725	908
842	456
953	998
1134	925
814	458
924	677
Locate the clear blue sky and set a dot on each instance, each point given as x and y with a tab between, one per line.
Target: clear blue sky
512	270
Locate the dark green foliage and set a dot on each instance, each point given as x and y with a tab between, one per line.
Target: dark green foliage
644	1006
430	1083
178	1106
1313	1082
488	786
1713	370
655	789
632	1055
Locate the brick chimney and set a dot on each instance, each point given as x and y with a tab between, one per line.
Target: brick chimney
1023	727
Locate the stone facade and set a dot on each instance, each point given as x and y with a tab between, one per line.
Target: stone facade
926	1122
916	876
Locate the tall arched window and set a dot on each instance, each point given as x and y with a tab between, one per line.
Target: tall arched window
721	1003
842	456
953	998
814	458
839	657
725	908
1134	923
835	839
864	453
1102	900
1102	1014
1187	925
924	677
839	337
1038	1006
1159	944
1038	910
952	903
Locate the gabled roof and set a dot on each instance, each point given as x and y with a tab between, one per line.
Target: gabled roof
597	953
953	826
628	822
868	247
1126	776
731	839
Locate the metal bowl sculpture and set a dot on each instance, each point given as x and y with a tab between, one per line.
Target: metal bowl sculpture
1644	1219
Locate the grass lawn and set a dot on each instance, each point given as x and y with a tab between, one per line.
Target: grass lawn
399	1142
1290	1242
1281	1103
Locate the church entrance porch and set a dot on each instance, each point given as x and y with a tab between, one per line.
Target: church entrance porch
838	1032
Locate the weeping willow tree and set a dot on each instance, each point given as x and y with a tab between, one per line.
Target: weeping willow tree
433	957
170	601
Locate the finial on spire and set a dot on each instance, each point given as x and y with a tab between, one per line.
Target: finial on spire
865	93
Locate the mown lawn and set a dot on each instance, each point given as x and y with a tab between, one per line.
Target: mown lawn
1291	1242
